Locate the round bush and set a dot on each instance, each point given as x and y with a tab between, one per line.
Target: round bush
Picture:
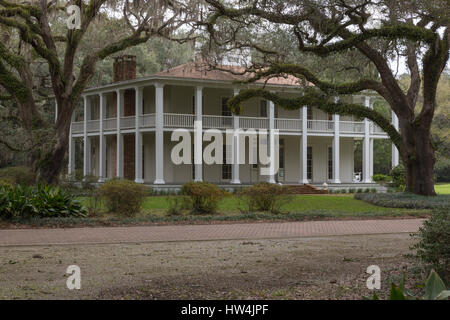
202	197
398	175
123	196
433	247
264	197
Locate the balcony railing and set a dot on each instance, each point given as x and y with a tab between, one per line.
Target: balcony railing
77	127
110	124
174	120
148	120
253	123
219	122
128	122
320	126
376	129
351	127
288	124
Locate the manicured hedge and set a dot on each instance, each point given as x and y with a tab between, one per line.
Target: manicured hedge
405	200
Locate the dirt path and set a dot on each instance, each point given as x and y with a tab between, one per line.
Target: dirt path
300	268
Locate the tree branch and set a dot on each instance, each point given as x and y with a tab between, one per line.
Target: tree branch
315	99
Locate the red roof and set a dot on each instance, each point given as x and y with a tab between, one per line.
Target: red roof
194	70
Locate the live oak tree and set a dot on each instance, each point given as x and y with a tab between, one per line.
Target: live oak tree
373	35
34	33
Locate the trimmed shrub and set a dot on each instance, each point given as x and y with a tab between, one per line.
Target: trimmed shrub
40	201
405	200
433	247
381	178
202	197
398	175
264	196
18	175
176	205
124	197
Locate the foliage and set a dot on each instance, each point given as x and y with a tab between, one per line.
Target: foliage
381	178
37	202
434	290
176	205
285	36
433	247
123	196
94	203
264	197
5	183
442	169
398	175
39	53
202	197
18	175
405	200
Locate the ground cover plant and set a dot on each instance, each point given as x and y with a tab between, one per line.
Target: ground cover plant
23	202
405	200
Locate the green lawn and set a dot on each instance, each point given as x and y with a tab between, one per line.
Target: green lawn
442	188
334	205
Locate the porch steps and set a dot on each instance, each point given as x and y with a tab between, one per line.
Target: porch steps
304	189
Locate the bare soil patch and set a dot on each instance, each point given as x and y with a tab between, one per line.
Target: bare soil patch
301	268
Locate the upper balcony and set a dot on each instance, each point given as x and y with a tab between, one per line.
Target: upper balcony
174	121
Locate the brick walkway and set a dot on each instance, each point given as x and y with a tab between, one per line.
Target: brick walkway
204	232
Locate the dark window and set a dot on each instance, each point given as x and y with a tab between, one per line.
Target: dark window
330	163
263	108
193	164
226	168
226	112
193	104
309	163
281	154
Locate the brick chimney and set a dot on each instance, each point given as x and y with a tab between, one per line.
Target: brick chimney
124	68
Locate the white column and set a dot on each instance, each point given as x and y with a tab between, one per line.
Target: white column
304	146
371	158
271	178
159	134
336	150
395	155
366	146
87	142
138	137
235	173
198	141
119	152
102	141
71	156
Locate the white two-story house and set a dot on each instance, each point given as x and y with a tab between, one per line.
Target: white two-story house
127	126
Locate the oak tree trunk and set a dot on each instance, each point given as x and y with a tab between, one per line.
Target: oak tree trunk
419	162
50	164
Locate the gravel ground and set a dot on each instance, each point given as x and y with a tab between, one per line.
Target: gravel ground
301	268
